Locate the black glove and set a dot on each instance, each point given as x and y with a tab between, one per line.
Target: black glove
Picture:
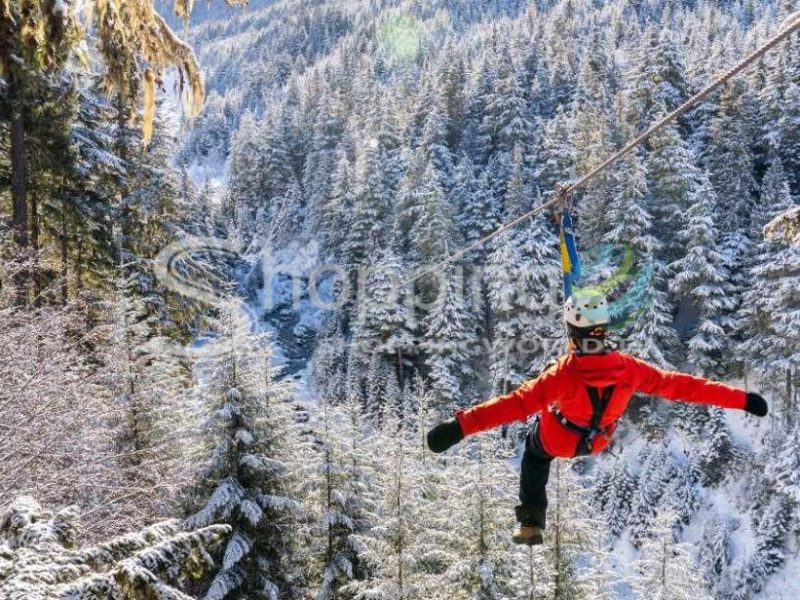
445	436
756	405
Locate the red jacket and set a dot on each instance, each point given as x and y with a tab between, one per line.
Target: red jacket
564	385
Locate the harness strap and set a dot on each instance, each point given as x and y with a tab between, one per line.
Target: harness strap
600	401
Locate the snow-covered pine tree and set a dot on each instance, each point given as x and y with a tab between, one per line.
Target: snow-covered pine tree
343	489
521	279
616	495
701	281
248	446
681	494
479	209
786	470
148	383
556	156
434	233
435	135
649	334
658	83
322	158
717	456
386	323
789	134
651	485
715	554
335	216
506	119
368	220
329	364
676	183
775	312
388	549
666	568
770	552
485	485
574	540
40	558
450	343
592	140
246	188
730	163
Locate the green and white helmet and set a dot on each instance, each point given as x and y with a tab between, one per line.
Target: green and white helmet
587	310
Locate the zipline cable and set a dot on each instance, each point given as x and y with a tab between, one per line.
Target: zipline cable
789	26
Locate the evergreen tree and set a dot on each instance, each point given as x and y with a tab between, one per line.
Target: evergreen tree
617	502
649	334
770	551
435	133
389	550
246	483
478	207
433	233
715	460
675	182
557	154
336	215
506	121
701	279
666	568
730	163
449	344
344	486
648	495
715	553
482	544
41	559
386	322
575	541
658	83
247	174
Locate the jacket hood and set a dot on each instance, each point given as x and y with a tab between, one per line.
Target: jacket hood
598	370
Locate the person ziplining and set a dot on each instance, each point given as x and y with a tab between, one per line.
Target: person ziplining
577	404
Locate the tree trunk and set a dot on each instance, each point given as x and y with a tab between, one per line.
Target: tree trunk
19	191
64	257
558	592
79	266
35	269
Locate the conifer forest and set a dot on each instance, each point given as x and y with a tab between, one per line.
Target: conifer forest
249	258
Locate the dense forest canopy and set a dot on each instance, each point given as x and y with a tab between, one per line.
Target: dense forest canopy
209	360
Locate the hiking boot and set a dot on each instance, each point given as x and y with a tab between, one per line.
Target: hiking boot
528	535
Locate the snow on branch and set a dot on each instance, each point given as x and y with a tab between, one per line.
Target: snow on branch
38	559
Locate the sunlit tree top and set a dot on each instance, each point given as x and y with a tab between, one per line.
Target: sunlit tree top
135	43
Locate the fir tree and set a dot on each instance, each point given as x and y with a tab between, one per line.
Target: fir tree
666	568
246	482
344	486
40	557
449	344
700	277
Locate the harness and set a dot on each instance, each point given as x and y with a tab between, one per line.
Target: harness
600	400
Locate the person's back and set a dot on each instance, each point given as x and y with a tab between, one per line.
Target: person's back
578	402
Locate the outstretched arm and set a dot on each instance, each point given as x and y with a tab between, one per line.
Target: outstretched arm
688	388
532	397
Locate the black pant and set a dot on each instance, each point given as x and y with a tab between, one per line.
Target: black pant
534	473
